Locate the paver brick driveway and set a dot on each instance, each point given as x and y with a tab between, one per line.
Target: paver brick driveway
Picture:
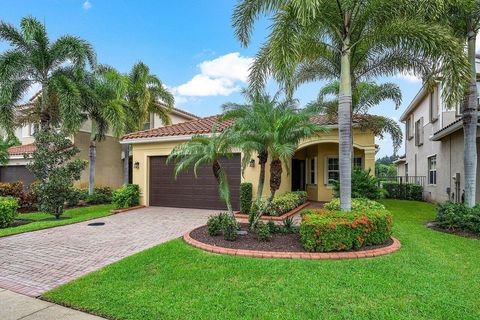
35	262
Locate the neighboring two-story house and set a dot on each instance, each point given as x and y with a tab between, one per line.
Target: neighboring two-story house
434	146
109	163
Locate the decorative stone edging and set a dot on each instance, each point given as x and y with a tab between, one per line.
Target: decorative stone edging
126	209
292	255
284	216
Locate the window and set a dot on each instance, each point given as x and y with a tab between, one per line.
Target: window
409	127
332	170
419	132
357	162
148	124
434	105
312	171
432	170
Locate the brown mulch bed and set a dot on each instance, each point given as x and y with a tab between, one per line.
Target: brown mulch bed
19	222
278	243
466	234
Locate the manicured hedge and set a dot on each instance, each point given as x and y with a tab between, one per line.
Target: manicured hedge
246	191
405	191
322	230
457	216
8	211
126	197
358	204
284	203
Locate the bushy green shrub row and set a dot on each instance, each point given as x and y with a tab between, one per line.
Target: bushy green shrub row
224	224
8	211
323	230
101	195
457	216
283	203
364	185
246	191
358	204
405	191
127	196
27	200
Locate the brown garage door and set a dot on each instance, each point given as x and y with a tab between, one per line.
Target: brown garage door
189	192
16	173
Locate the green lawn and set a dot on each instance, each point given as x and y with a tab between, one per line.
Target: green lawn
433	276
43	220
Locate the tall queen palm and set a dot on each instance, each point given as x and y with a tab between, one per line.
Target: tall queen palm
34	60
344	33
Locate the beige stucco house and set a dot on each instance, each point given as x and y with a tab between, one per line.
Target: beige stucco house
313	165
109	162
434	146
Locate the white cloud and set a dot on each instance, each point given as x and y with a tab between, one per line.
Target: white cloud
218	77
87	5
409	77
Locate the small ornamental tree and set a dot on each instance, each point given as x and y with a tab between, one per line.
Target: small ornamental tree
54	168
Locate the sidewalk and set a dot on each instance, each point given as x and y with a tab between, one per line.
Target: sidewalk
14	306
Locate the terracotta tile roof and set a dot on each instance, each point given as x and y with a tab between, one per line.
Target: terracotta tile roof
21	150
186	113
203	126
448	126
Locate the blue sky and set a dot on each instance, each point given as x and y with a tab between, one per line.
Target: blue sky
189	44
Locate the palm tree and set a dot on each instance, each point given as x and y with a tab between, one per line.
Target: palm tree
464	17
34	59
203	150
344	35
366	95
249	119
145	95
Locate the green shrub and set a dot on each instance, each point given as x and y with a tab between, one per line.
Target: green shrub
273	227
283	203
11	189
126	197
99	198
357	205
364	185
288	226
214	225
405	191
229	227
457	216
322	230
246	197
8	211
263	232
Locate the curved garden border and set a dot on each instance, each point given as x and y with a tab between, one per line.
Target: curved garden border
292	255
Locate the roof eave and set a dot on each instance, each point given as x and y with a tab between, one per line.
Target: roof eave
448	131
416	100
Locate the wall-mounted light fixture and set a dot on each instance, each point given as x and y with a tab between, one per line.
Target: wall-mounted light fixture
136	165
252	163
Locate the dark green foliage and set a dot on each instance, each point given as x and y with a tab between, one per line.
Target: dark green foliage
55	169
263	232
26	199
127	196
214	225
283	203
387	160
75	195
385	170
323	230
246	197
364	185
405	191
229	227
101	195
288	226
457	216
8	211
273	227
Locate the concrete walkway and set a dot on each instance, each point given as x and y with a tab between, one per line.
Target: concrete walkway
15	306
35	262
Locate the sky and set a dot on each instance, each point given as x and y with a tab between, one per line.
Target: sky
189	44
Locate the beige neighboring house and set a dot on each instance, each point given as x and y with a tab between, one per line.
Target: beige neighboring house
109	164
434	146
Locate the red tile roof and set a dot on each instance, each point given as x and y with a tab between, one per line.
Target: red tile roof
203	126
21	150
191	115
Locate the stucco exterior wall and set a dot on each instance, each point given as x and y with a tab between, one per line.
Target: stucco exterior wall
109	165
321	146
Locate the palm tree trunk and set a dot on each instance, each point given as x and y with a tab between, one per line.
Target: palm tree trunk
91	169
345	129
222	182
275	181
262	161
470	119
126	164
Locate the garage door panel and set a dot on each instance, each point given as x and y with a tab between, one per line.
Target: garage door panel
16	173
189	192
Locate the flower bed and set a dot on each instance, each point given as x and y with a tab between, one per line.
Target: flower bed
322	230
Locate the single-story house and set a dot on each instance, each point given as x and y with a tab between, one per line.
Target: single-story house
313	165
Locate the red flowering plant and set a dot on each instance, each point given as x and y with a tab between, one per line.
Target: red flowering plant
322	230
